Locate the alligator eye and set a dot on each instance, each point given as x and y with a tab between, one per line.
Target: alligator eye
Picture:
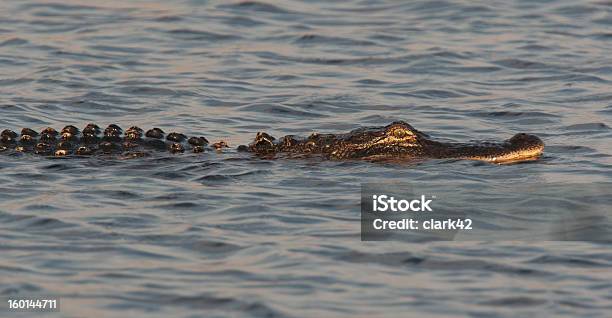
400	133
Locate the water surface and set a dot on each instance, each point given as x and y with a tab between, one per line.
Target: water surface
232	235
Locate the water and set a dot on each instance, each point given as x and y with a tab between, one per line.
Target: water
226	234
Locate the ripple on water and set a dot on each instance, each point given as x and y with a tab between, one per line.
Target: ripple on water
198	35
254	6
226	232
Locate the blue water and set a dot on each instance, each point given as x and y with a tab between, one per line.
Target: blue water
227	234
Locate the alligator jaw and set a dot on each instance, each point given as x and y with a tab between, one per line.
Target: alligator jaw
521	147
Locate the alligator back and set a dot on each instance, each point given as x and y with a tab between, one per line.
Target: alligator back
134	142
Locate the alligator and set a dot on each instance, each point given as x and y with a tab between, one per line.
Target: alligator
396	141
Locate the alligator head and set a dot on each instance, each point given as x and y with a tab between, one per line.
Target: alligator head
398	140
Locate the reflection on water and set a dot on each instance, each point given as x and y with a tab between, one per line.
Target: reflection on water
229	234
